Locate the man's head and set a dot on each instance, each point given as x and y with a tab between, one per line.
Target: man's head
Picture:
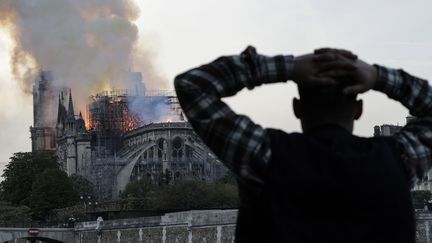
323	105
329	81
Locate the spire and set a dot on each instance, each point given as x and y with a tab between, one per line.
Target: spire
70	111
59	109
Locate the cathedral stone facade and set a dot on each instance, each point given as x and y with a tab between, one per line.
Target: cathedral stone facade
165	153
73	140
42	132
114	147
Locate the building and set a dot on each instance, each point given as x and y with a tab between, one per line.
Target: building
126	135
165	153
73	140
43	136
386	130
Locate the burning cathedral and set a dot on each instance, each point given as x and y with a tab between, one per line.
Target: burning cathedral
123	136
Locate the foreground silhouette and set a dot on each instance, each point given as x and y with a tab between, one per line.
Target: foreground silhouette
325	184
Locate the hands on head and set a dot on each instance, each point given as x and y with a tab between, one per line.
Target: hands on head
328	67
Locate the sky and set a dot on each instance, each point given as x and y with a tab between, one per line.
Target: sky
187	33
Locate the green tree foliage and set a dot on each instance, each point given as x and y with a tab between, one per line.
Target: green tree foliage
420	198
62	215
82	186
20	174
139	194
223	195
51	189
228	178
194	194
183	195
138	189
11	216
186	194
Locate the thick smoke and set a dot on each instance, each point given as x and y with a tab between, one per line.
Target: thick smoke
89	45
155	109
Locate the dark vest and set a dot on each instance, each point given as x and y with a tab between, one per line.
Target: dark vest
329	186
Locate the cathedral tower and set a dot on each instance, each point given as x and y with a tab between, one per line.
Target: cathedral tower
43	130
73	140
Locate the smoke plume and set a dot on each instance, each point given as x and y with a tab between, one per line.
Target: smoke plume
89	45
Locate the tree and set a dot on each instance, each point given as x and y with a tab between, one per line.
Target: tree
52	189
228	178
82	186
14	216
139	194
184	195
20	173
224	195
138	189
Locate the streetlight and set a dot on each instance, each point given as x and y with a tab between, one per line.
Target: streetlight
83	199
88	202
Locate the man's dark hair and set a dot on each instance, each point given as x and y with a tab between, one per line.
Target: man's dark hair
326	102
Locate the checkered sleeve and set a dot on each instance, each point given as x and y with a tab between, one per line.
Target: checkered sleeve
242	145
415	139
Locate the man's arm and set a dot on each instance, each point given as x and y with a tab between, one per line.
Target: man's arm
416	137
242	145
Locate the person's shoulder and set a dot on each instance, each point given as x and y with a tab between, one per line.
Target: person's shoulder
278	136
377	141
281	133
384	139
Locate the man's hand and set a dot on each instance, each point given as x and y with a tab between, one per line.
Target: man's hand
308	67
359	80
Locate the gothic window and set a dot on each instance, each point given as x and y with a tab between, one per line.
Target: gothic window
52	141
150	155
189	152
177	151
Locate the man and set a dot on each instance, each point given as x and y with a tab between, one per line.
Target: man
324	185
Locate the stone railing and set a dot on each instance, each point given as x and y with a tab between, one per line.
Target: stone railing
189	226
424	227
192	226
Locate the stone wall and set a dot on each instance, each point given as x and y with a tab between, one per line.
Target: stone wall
163	234
424	228
216	226
200	226
190	226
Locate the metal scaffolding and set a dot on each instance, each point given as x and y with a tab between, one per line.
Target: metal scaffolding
110	114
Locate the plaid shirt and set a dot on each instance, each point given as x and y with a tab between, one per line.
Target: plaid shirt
415	138
244	146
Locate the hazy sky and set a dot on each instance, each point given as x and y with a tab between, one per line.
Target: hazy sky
187	33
